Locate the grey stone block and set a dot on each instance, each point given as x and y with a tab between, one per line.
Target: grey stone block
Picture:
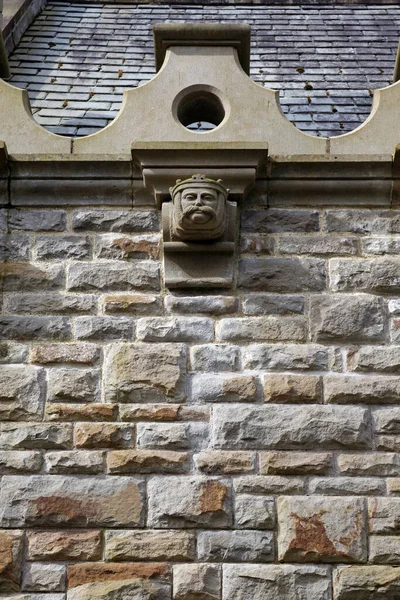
25	328
283	275
62	247
175	329
112	276
115	220
100	328
236	546
38	220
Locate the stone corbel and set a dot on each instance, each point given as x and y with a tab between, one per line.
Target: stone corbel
198	191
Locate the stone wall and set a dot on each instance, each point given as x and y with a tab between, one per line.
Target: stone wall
232	445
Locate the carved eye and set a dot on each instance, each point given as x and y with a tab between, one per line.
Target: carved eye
208	197
190	197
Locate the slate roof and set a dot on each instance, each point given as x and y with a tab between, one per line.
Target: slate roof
76	59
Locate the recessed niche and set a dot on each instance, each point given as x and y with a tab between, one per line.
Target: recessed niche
199	109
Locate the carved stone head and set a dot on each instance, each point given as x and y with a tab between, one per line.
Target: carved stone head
199	209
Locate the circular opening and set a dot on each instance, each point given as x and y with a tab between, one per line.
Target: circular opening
200	111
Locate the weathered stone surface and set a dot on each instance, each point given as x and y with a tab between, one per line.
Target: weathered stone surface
347	318
270	582
70	501
384	549
362	583
220	463
381	245
117	247
292	388
257	244
290	357
173	436
290	427
14	247
393	485
215	357
51	303
295	463
132	304
150	545
106	572
104	328
395	331
202	582
62	247
388	443
374	463
74	461
113	276
208	305
44	577
26	328
11	551
235	546
115	220
384	359
272	304
271	485
368	390
20	461
79	353
14	436
267	329
318	244
187	502
282	275
277	220
363	221
103	435
387	420
37	220
148	372
22	391
348	486
81	412
254	512
379	275
384	515
175	329
73	385
64	545
321	529
147	461
224	388
164	412
26	277
12	352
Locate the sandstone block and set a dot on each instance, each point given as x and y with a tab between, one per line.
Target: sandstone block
295	463
147	461
81	412
103	328
284	427
51	303
62	247
278	220
103	435
164	412
20	461
270	582
348	486
254	512
172	436
150	545
388	443
132	304
26	328
347	318
384	359
224	388
384	515
11	552
37	220
387	420
292	388
372	582
26	277
235	546
29	436
215	357
115	220
379	275
321	529
175	329
44	577
271	485
393	485
207	305
272	304
75	353
64	545
267	329
68	462
146	372
228	463
73	385
282	275
118	247
318	244
368	390
374	463
113	276
290	357
188	502
55	500
202	582
22	392
384	549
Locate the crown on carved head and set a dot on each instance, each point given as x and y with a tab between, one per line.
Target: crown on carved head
199	181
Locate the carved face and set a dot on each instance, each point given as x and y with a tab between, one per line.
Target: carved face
199	206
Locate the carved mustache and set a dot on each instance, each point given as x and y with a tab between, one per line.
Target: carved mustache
193	208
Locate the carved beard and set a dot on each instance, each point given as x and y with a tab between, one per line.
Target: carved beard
207	210
184	229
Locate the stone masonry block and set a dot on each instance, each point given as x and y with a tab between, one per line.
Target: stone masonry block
62	247
343	389
273	304
290	357
73	385
113	276
215	357
175	329
115	220
278	220
51	303
22	393
225	388
366	582
208	305
235	546
44	577
153	545
64	545
75	353
34	328
25	277
282	275
11	554
292	388
104	328
383	359
263	329
29	436
200	581
254	512
380	275
37	220
315	529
